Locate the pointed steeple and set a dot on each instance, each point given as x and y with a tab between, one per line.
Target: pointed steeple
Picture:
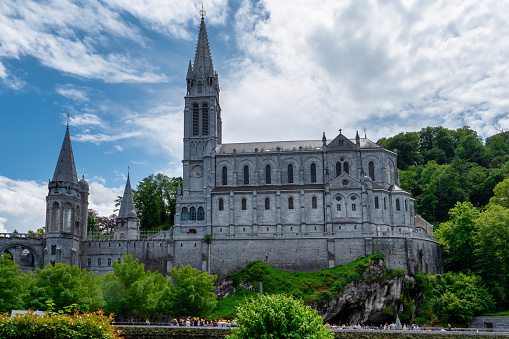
127	208
202	59
65	170
189	71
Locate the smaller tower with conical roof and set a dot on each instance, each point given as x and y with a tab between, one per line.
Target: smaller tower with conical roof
128	224
66	210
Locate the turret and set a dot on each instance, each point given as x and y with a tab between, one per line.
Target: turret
127	220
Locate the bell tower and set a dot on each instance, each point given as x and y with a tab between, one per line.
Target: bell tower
202	135
66	210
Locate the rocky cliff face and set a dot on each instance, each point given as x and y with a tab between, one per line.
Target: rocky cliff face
368	301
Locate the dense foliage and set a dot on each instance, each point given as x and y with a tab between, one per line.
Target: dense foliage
155	199
441	167
278	316
128	291
88	325
453	297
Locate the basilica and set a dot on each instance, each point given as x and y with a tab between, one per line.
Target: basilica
300	205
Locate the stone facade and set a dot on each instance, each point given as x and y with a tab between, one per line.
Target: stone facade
297	205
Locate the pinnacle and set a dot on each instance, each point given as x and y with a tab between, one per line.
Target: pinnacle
65	170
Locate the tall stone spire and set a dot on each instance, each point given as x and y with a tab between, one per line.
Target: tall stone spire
65	170
202	59
127	208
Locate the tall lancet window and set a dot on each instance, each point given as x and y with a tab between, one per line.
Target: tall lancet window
371	168
346	168
246	175
313	172
290	173
201	214
268	177
338	169
224	176
192	214
67	218
196	119
204	119
55	218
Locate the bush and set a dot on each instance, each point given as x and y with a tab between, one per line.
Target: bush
279	316
87	325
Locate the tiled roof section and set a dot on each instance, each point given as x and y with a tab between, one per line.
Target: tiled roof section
65	170
127	208
285	146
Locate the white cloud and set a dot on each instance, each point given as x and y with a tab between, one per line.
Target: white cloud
72	92
87	119
3	229
50	32
388	66
22	204
102	198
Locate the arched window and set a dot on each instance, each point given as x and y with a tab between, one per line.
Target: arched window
371	168
314	202
346	167
397	205
192	214
55	218
268	177
204	119
376	203
246	175
98	261
221	204
119	260
385	203
109	261
184	216
406	205
224	176
313	172
196	120
244	204
89	262
201	214
338	169
67	218
267	203
290	203
290	173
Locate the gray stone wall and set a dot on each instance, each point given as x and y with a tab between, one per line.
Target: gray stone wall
490	322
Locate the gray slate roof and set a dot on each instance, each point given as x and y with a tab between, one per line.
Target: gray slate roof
66	169
127	208
271	146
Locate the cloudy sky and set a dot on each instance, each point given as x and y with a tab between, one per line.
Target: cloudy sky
287	70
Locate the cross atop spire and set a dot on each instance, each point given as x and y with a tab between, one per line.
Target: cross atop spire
202	12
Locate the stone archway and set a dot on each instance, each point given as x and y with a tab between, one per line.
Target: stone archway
24	255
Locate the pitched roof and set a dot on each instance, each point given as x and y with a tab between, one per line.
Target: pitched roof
127	208
65	170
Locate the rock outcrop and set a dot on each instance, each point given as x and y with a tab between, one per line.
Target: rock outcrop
373	300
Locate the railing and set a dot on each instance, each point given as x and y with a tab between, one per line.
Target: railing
21	235
144	235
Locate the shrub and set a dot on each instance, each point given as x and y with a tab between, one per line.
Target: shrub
278	316
87	325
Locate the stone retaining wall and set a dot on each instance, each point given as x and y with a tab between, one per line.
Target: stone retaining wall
148	332
496	322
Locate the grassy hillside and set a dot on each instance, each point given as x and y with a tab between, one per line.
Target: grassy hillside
319	286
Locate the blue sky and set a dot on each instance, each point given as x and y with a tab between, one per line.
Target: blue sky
286	70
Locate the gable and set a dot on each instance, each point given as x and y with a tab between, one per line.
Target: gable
340	142
345	181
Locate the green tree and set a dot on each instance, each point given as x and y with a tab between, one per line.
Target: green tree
436	143
279	316
501	194
193	292
492	251
93	222
132	292
65	285
455	296
457	237
407	145
155	200
11	284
